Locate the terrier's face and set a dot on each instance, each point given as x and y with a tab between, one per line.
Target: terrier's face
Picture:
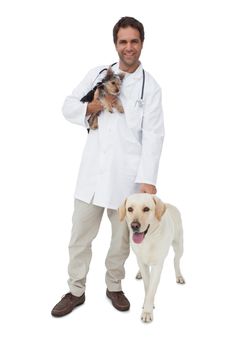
112	82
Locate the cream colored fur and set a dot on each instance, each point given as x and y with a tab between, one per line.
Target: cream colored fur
164	228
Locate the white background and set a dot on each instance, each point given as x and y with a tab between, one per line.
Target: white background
46	49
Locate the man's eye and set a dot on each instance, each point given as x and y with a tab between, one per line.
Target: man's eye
146	209
130	209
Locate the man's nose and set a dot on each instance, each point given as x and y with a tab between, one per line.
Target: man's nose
129	47
135	225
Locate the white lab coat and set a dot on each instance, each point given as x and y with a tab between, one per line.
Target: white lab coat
125	150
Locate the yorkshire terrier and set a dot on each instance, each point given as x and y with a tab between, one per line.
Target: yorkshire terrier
110	85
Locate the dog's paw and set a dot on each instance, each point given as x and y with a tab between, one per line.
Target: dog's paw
120	109
138	276
180	280
147	316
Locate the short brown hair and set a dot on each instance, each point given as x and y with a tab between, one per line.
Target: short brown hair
125	22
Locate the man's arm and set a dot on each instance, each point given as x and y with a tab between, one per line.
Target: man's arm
76	111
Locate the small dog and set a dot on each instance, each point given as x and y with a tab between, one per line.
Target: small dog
154	227
110	85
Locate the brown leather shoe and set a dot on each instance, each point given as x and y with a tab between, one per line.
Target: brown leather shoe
67	304
119	300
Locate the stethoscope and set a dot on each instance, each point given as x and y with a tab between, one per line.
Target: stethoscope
140	101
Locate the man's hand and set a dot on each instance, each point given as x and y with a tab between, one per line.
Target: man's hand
146	188
95	105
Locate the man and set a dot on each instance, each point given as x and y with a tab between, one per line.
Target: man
121	157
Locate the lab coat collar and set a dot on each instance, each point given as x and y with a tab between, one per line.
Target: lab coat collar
130	77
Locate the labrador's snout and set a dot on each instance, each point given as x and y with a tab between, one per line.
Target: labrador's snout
135	225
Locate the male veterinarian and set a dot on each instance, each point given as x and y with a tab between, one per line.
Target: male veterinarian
121	157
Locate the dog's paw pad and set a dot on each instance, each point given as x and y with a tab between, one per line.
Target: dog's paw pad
180	280
147	317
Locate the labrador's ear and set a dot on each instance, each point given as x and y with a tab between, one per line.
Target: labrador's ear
122	211
160	208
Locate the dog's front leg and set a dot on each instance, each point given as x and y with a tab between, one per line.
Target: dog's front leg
145	273
147	313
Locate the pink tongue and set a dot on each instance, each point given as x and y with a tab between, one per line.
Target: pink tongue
138	237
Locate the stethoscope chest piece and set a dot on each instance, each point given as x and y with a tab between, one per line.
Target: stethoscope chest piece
140	103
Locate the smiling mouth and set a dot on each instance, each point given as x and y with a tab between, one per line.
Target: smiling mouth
139	236
129	54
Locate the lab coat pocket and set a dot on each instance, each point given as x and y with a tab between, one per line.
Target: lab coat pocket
133	150
134	116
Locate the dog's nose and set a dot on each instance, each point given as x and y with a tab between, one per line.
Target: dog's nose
135	225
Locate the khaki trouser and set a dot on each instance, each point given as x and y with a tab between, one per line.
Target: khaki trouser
86	222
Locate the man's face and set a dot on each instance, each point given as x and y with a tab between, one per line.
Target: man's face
128	46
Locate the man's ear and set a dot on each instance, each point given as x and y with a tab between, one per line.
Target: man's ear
122	211
160	207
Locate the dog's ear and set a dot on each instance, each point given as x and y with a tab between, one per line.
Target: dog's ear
121	76
160	207
109	73
122	211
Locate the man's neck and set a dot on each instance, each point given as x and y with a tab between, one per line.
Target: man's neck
129	69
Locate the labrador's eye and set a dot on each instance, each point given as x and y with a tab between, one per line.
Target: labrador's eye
130	209
146	209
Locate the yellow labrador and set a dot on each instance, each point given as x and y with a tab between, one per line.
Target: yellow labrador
154	227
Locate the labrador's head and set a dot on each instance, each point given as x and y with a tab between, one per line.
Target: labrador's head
143	213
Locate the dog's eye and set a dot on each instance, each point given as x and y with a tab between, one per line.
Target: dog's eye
113	82
146	209
130	209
